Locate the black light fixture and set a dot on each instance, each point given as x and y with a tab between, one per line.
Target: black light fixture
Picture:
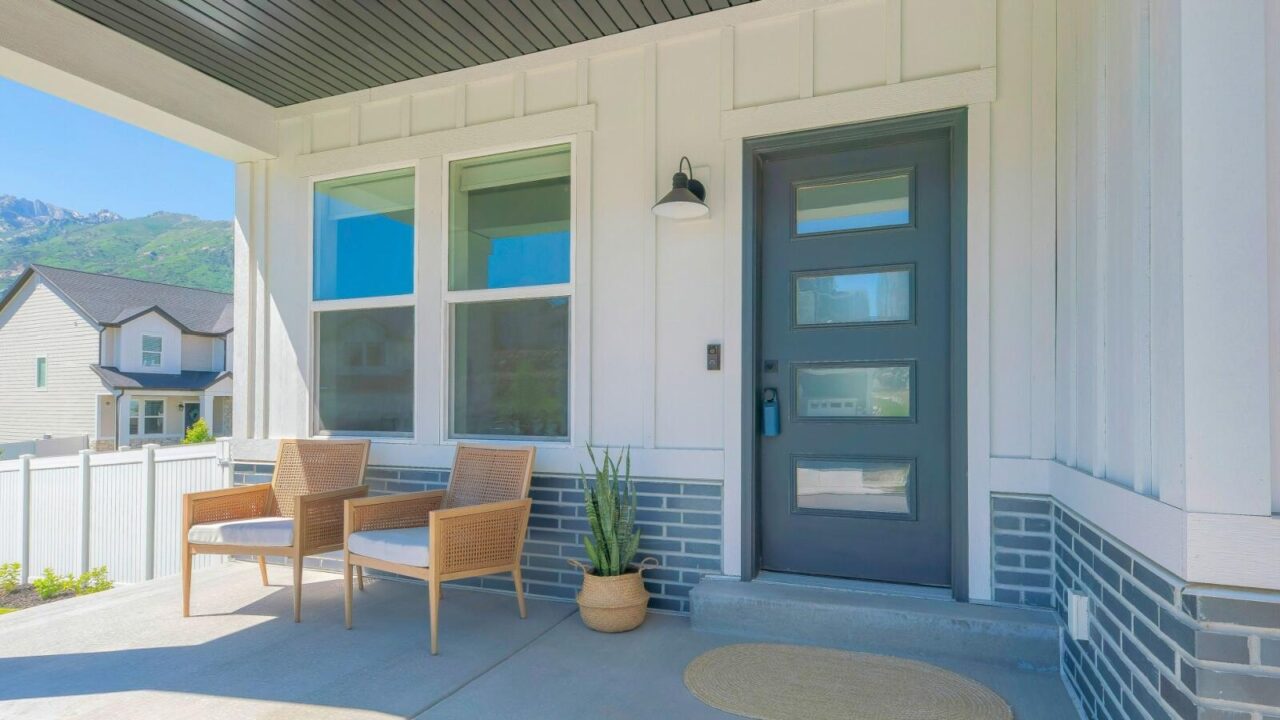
686	197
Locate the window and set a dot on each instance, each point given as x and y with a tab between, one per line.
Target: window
363	236
151	418
362	273
855	485
857	204
510	294
42	373
365	371
152	350
849	297
826	391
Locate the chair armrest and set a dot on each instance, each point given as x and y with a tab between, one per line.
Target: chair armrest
245	501
388	512
317	519
478	537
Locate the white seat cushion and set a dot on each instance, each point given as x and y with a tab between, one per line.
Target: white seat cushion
263	531
404	546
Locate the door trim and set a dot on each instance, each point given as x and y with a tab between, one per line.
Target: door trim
755	152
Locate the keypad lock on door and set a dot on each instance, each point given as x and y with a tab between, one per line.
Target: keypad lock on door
770	418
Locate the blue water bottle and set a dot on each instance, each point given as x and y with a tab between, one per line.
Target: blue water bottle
770	423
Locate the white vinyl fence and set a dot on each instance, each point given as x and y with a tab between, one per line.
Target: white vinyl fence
119	509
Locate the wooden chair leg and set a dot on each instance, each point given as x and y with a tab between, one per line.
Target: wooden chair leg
360	576
434	589
515	575
297	588
346	587
186	580
262	568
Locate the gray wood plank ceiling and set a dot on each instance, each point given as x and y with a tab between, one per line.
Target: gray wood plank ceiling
289	51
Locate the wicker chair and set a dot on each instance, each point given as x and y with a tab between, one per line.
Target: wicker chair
298	514
475	527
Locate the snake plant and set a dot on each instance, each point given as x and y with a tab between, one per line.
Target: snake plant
610	498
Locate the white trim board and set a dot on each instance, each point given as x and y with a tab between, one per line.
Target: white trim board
873	103
526	129
1201	548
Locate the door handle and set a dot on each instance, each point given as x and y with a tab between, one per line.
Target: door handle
770	418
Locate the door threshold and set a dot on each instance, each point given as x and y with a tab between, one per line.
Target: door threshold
851	585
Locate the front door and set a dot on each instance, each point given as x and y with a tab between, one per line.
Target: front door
191	413
854	330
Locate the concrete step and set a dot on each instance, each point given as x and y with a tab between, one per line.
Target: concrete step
884	622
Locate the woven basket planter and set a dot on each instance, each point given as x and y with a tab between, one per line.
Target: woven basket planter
613	604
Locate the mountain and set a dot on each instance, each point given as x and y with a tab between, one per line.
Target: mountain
162	247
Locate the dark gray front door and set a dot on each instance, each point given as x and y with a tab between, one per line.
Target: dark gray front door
854	337
191	413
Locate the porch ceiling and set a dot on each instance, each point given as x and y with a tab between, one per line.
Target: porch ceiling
290	51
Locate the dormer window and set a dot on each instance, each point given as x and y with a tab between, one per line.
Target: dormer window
152	350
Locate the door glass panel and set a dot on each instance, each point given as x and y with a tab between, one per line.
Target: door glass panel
854	204
509	218
854	296
852	485
853	390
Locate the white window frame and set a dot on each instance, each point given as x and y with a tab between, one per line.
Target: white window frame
315	307
141	416
42	360
142	358
450	298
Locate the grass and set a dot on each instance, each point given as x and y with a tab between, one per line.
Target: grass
7	610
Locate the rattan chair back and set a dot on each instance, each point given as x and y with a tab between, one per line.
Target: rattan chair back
313	466
489	474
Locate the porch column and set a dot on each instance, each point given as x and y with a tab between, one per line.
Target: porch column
1225	328
122	420
206	409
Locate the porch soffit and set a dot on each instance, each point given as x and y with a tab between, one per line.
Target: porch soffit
284	52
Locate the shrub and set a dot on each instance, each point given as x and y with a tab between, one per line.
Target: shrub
93	581
198	433
10	573
50	584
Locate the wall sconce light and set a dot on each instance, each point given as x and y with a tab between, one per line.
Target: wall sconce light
686	198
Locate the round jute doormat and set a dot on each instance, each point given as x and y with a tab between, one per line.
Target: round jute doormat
791	682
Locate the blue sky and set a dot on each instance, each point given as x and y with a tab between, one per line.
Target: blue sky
73	157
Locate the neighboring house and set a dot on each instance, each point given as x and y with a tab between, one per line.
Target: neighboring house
1007	268
123	361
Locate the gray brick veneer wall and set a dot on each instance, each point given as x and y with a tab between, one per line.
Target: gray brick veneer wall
680	521
1157	648
1022	550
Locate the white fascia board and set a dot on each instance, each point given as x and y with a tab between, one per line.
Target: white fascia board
55	50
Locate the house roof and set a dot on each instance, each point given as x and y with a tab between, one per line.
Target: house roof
185	380
290	51
112	301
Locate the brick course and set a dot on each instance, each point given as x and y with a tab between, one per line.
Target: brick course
1157	648
680	522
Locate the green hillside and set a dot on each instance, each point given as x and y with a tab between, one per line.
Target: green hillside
162	247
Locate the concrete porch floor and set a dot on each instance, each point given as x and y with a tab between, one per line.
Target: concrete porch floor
127	653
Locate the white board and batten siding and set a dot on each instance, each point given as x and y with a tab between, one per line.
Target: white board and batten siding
650	294
1163	345
1079	345
37	322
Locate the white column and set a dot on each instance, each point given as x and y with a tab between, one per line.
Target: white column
206	409
245	279
122	420
1224	253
